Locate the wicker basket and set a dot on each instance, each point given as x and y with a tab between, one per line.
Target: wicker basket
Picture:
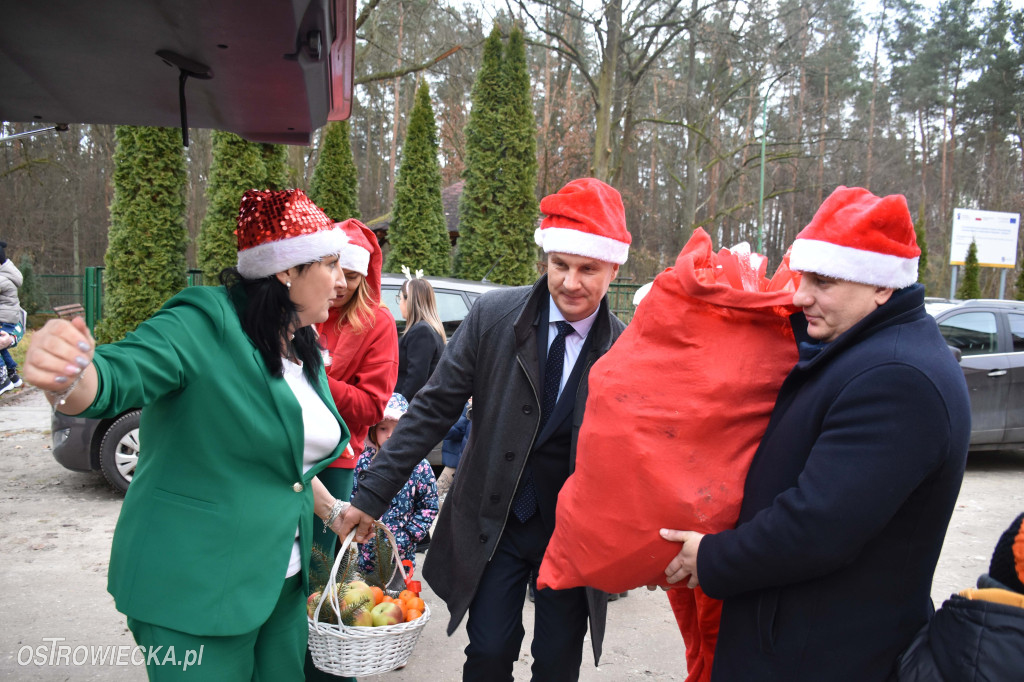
357	651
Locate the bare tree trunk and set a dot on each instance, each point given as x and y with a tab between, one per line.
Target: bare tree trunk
397	108
604	104
874	91
689	216
652	179
822	130
543	133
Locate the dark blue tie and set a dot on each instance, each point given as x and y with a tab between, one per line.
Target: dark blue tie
525	503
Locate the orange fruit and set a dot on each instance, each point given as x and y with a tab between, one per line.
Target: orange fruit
407	594
415	604
413	615
405	609
378	595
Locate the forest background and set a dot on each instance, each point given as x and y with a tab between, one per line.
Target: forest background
668	100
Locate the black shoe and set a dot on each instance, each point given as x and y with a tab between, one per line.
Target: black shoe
613	596
15	380
423	545
6	386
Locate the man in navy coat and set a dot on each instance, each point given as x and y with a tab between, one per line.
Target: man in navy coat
827	575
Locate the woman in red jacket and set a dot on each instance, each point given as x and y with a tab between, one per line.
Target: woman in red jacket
360	344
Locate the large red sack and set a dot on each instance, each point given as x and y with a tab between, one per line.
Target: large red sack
676	409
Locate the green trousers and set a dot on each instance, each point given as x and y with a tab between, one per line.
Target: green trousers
271	653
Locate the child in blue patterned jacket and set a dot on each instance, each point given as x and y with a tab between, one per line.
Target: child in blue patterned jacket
414	508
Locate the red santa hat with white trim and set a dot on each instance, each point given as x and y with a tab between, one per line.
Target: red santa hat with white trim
859	237
355	255
585	218
278	230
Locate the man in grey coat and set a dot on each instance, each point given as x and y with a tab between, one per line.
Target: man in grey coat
523	354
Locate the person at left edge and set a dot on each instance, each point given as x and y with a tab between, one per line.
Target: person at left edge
212	546
360	345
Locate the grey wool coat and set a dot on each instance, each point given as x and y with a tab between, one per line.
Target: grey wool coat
493	358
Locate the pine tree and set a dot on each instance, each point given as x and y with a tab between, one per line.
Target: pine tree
519	200
498	209
32	295
477	205
922	243
969	287
1019	285
275	161
418	232
145	259
335	183
236	168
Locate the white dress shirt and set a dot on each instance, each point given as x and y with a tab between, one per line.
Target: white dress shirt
573	342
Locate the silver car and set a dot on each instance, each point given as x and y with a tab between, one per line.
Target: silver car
990	337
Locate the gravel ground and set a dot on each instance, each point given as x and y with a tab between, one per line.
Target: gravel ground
56	526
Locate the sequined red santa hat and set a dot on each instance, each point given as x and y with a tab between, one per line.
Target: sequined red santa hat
859	237
278	230
355	255
585	218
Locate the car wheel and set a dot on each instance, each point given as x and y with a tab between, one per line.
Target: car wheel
119	450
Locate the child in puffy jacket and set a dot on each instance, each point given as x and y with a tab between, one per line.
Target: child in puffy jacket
978	634
414	508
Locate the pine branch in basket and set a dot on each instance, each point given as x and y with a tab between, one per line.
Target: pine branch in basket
319	570
385	560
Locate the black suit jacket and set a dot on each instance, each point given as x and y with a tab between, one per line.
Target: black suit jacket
550	457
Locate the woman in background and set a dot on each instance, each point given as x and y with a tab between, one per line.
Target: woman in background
423	339
360	353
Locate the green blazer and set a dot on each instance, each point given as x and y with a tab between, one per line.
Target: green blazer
207	527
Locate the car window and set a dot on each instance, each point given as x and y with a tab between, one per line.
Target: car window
389	295
973	333
450	306
1017	331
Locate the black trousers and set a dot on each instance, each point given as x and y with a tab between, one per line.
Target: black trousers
495	624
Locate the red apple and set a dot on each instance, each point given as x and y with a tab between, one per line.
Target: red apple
362	618
357	592
311	603
386	613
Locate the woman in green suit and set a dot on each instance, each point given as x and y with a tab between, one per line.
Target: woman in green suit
211	552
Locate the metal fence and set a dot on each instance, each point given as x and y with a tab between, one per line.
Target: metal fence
620	299
88	290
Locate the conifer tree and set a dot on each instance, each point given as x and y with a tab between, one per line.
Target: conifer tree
498	210
32	295
145	259
969	287
236	168
519	200
275	161
335	183
418	232
1019	285
477	205
922	243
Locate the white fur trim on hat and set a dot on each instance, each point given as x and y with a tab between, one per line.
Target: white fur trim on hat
579	243
852	265
273	257
356	258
